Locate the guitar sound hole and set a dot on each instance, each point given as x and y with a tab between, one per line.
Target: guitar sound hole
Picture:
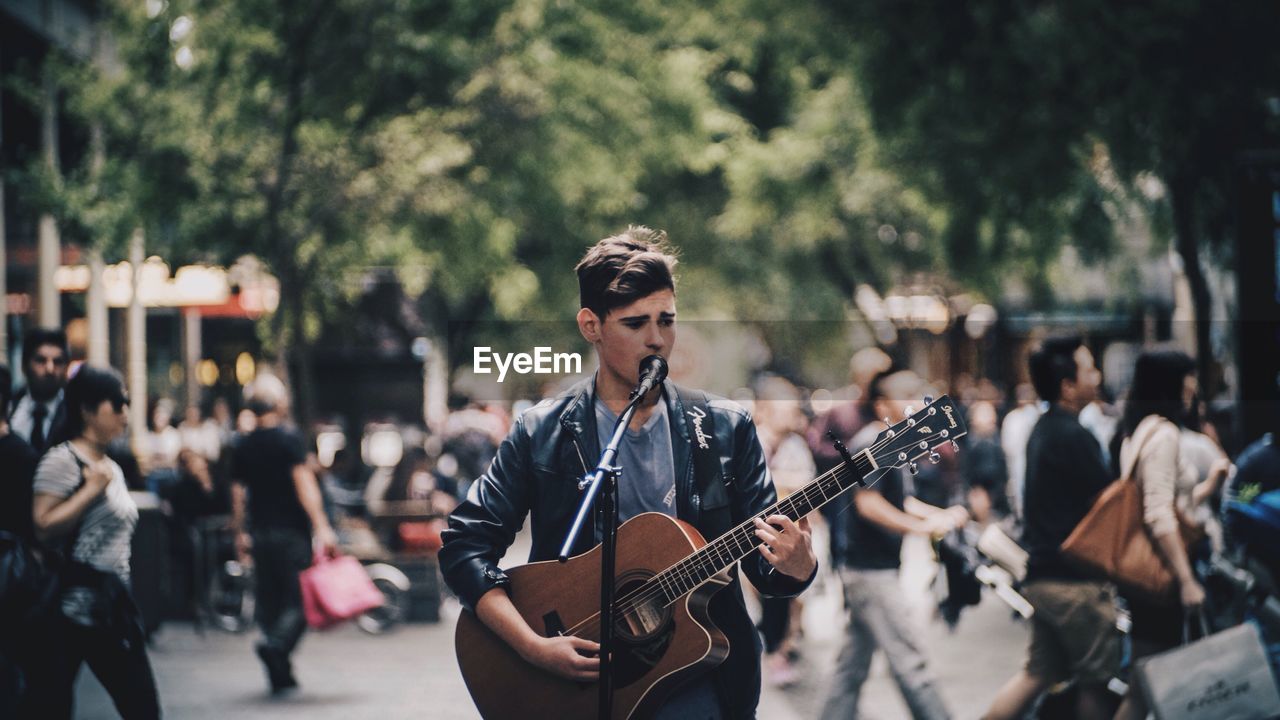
638	622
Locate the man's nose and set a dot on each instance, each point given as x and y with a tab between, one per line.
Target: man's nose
654	339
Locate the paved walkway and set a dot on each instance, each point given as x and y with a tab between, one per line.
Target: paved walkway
411	672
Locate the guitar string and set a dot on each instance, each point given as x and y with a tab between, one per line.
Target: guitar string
654	586
745	532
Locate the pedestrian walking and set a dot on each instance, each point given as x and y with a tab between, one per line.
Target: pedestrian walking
82	504
1073	631
285	521
883	514
1164	386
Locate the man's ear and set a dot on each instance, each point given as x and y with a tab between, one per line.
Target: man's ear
589	325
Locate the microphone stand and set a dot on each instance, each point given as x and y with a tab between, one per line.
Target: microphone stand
603	482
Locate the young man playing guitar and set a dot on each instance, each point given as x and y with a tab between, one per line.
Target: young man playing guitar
629	312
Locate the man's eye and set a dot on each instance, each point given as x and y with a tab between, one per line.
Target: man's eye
667	322
635	325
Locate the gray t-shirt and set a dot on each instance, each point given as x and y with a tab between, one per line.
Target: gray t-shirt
105	539
648	484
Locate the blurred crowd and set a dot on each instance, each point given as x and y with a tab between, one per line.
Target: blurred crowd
1033	459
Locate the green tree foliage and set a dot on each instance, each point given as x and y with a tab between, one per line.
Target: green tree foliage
997	109
476	149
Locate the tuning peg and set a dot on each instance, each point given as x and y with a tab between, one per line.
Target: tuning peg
840	448
886	420
934	458
928	399
914	468
910	410
954	446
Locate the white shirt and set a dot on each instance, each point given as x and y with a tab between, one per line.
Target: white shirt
22	422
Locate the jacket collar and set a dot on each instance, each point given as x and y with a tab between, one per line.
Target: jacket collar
579	419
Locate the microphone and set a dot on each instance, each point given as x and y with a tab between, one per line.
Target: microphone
653	370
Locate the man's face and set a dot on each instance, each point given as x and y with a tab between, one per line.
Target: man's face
46	371
630	333
1087	377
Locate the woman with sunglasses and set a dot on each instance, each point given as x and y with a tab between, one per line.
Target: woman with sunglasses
82	505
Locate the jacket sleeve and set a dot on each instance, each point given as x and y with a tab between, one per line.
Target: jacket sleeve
484	525
754	494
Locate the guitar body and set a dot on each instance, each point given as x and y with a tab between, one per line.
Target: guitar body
655	648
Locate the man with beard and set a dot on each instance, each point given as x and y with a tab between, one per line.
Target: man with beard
37	413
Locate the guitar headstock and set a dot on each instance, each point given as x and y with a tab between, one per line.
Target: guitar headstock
922	433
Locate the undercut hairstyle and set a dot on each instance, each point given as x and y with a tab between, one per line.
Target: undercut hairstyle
623	268
39	337
1054	362
86	391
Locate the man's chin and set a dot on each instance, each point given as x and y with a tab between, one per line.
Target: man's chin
42	392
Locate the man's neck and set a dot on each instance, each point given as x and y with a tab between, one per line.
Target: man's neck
1068	407
615	395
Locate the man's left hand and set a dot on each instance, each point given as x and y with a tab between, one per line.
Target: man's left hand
788	545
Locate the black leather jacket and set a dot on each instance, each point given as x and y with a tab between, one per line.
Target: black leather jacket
536	471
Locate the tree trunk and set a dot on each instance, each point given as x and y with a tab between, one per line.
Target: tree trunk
300	355
1188	245
284	262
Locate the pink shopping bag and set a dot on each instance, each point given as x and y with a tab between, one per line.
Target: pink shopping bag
337	589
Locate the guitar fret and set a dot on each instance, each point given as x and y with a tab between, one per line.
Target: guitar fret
703	564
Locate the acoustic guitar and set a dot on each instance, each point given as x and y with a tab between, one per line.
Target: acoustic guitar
665	575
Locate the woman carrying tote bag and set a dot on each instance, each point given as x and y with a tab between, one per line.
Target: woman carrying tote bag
1163	389
82	504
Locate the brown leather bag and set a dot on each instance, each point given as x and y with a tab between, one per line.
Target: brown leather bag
1113	542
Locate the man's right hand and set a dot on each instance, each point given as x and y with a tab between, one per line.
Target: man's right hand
565	656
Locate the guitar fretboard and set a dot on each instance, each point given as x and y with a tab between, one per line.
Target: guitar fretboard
686	575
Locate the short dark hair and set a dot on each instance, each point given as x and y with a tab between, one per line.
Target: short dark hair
6	390
37	337
1052	363
88	388
623	268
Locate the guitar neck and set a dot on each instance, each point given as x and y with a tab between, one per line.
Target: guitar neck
712	558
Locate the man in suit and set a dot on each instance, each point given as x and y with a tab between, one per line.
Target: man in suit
37	414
